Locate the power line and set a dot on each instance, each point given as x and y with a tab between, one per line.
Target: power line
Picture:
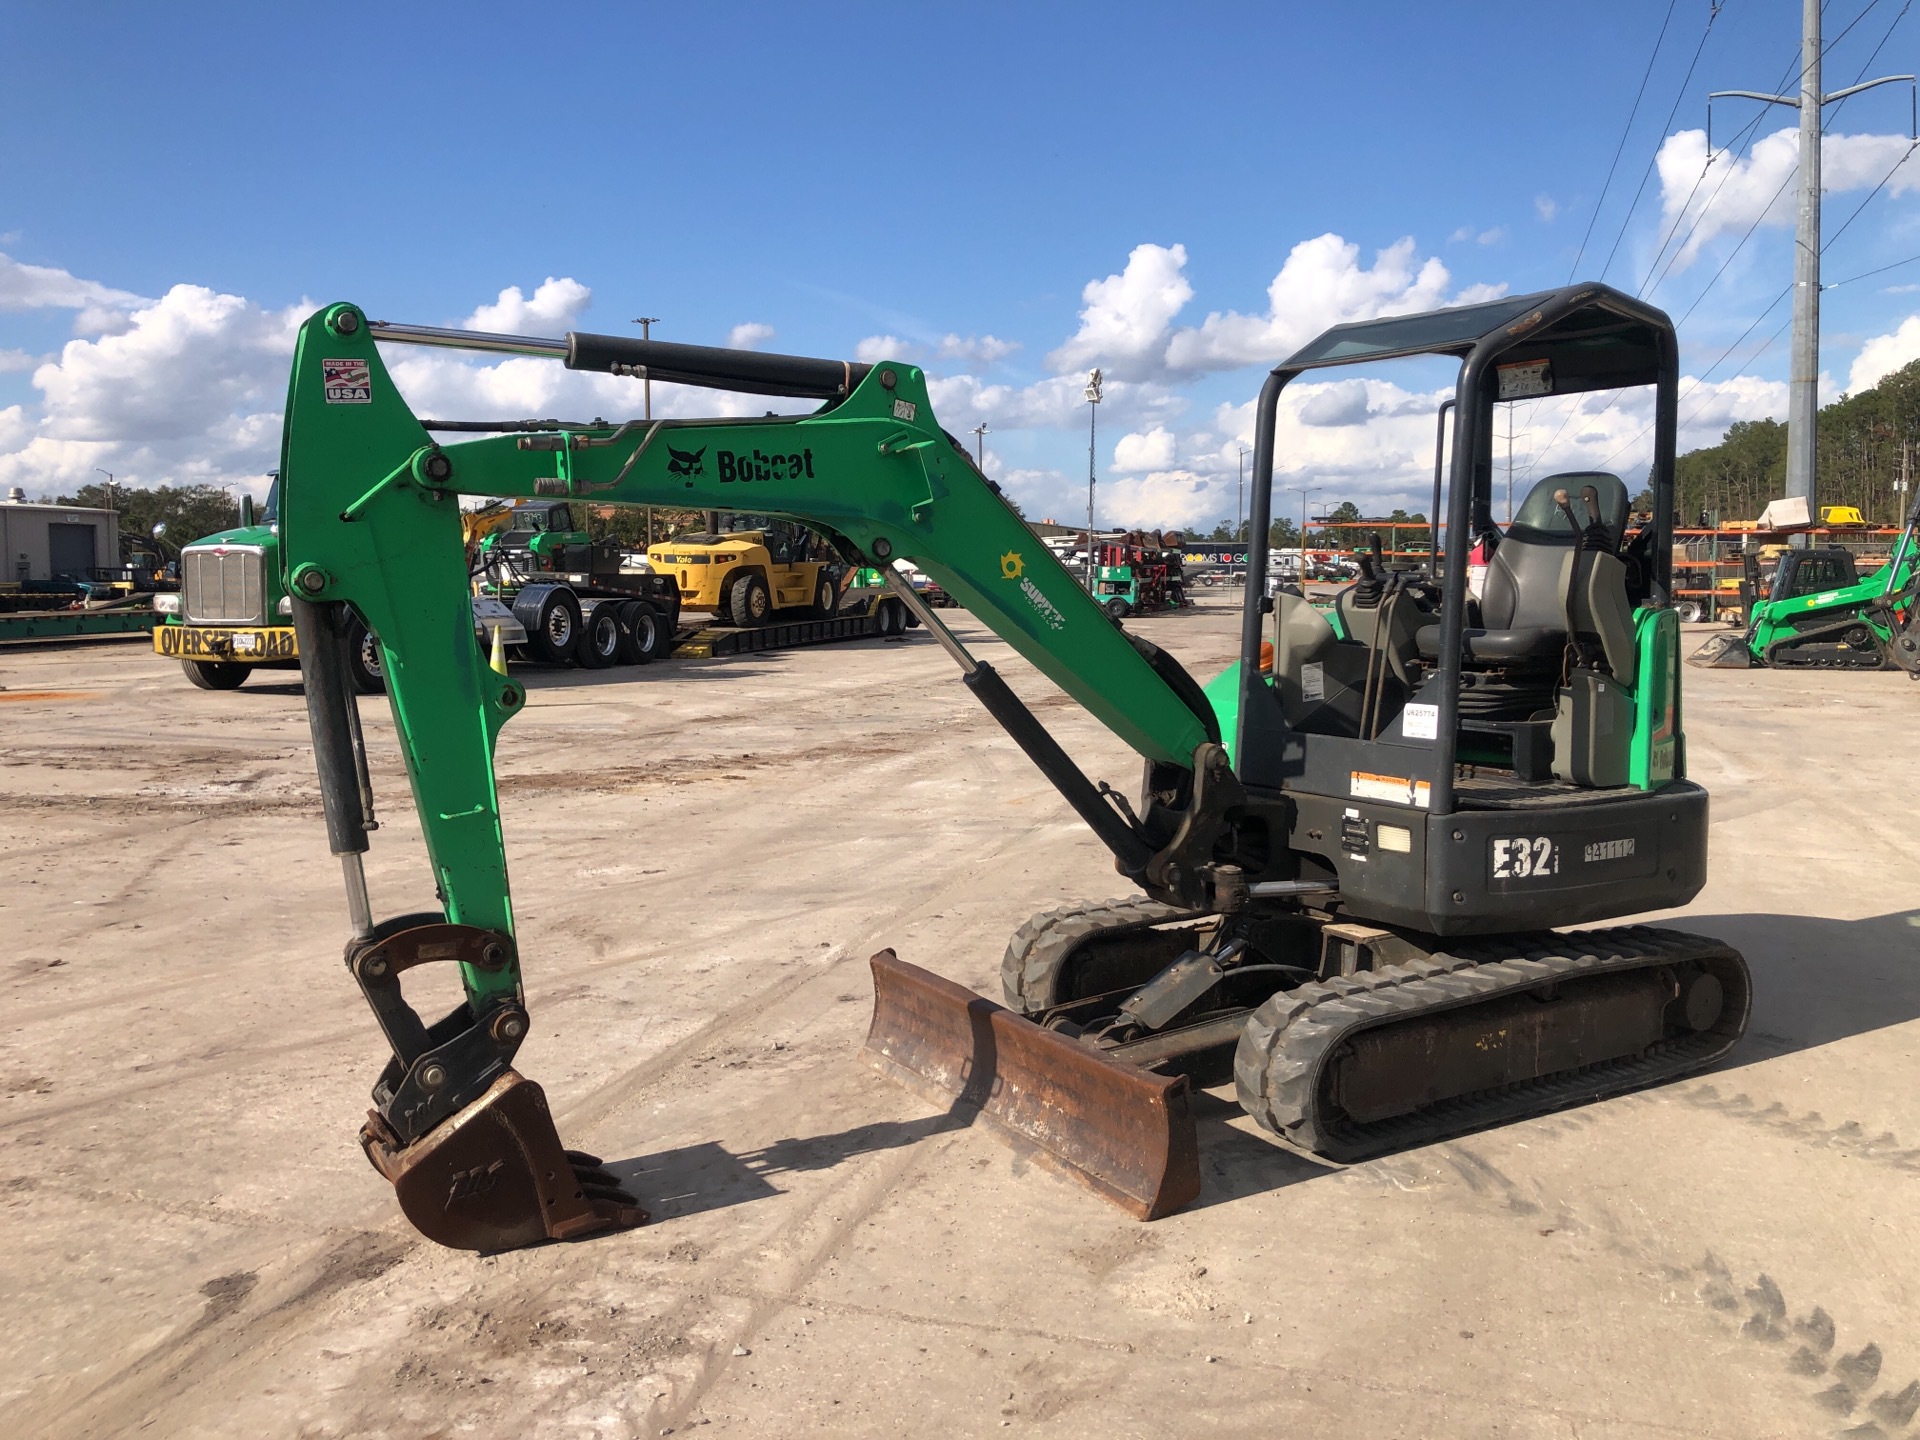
1632	115
1713	14
1788	180
1740	140
1869	274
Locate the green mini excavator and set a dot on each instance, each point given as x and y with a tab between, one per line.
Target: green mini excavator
1353	852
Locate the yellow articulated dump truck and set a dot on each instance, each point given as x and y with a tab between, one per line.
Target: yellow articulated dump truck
749	570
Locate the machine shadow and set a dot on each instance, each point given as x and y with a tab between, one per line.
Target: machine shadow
1816	980
694	1179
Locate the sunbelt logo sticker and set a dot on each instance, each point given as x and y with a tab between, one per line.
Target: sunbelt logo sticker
1013	567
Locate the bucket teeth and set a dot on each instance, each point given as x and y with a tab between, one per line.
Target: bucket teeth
495	1177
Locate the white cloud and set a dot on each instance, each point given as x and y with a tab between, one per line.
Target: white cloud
554	309
1123	326
976	349
1150	451
1176	499
1757	187
191	390
1884	354
1321	284
875	348
1479	237
42	287
1546	207
749	336
13	360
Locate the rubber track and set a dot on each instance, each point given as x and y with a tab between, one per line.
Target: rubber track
1281	1064
1041	946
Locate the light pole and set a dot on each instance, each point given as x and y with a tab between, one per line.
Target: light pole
980	433
1093	410
646	324
109	474
1303	492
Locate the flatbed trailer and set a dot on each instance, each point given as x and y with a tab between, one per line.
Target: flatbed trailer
882	618
21	626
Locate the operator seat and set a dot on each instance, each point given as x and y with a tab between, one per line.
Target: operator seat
1524	604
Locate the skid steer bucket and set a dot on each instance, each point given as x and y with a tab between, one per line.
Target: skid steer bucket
1122	1131
1723	652
495	1177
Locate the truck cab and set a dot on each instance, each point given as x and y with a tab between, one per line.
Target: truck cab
232	615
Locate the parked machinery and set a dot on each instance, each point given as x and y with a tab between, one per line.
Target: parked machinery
1353	859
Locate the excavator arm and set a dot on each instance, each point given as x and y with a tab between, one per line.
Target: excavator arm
371	522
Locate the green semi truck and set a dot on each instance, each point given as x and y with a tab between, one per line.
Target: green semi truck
232	616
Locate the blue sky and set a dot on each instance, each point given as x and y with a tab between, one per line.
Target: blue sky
835	174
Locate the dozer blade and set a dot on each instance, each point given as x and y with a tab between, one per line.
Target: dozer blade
494	1175
1122	1131
1723	652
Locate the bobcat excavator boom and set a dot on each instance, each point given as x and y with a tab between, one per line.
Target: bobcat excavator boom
1411	772
371	523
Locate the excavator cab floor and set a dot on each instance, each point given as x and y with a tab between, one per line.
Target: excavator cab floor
1124	1132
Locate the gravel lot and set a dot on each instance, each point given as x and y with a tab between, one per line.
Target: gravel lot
705	854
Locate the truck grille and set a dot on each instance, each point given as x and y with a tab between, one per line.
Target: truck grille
225	586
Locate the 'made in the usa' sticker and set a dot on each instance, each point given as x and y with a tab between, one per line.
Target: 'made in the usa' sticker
347	382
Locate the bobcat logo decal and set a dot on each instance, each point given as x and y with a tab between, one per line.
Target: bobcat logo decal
687	463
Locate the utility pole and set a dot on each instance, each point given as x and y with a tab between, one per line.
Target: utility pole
646	324
1313	490
1509	464
1240	501
109	474
1094	392
1803	375
980	432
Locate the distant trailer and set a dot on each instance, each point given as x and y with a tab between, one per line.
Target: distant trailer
29	625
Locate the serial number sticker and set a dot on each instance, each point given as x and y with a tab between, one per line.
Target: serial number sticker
1608	850
1420	722
1394	789
905	410
1525	857
347	382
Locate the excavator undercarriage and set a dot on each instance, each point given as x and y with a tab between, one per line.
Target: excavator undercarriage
1354	851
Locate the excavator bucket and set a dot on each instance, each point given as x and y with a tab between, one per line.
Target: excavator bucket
1723	652
494	1176
1122	1131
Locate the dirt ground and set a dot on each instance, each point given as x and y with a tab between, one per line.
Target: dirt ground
705	854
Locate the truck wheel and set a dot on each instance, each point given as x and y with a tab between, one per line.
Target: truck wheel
1692	612
216	674
556	628
599	644
643	635
364	663
826	597
748	602
886	617
1118	608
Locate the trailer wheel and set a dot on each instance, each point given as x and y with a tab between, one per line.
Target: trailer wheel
886	617
216	674
364	663
1118	608
749	603
909	620
1692	612
556	628
643	636
826	597
599	644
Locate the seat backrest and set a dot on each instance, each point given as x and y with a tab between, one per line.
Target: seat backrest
1526	584
1399	637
